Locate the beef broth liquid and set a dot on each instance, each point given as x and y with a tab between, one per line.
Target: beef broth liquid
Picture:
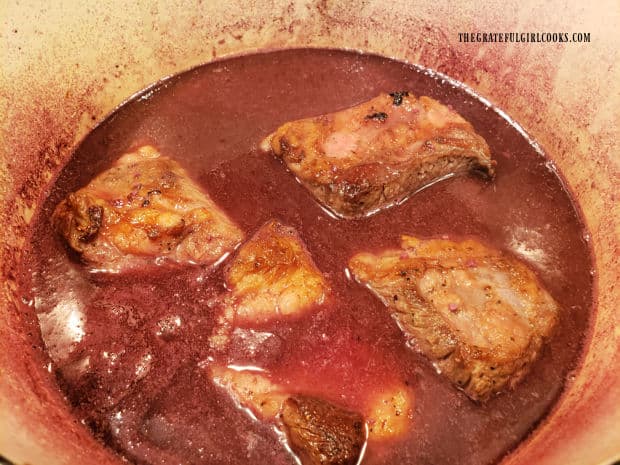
131	350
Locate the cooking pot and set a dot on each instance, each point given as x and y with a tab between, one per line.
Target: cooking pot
67	64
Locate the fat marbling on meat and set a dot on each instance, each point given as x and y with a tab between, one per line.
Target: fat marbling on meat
479	315
368	157
144	207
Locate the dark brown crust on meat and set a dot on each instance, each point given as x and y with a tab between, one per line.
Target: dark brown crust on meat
368	188
321	433
78	218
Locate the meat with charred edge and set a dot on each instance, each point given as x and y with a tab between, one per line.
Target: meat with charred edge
83	224
322	433
369	157
144	208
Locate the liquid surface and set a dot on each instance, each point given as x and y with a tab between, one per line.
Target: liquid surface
131	351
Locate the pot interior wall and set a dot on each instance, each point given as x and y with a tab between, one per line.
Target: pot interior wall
66	66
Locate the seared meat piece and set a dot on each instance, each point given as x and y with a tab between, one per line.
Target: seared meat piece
321	433
371	156
145	206
273	274
479	315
